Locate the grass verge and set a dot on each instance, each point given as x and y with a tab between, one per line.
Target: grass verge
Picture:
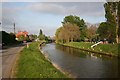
109	49
32	64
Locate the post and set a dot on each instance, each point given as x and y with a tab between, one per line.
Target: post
14	28
27	45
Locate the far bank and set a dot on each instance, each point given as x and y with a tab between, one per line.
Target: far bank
105	49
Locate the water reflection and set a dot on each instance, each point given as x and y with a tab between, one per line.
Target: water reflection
81	63
81	53
72	51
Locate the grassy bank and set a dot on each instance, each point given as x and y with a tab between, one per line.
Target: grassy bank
109	49
32	64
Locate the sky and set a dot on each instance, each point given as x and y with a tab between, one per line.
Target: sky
33	16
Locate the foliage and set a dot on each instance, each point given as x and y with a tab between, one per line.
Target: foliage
23	38
32	64
79	22
119	49
83	30
41	33
73	29
112	17
41	37
69	32
119	8
91	32
32	37
109	15
7	38
107	31
57	34
119	20
72	19
0	37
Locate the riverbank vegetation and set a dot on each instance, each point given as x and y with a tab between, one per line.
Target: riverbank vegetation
32	64
108	49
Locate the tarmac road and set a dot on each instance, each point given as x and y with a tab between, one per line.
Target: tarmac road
8	57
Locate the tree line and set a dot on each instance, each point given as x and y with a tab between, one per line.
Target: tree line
111	28
75	29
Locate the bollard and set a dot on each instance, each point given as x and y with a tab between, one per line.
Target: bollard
27	45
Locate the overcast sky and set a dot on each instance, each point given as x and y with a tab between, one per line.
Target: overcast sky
33	16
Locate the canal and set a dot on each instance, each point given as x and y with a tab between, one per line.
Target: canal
81	64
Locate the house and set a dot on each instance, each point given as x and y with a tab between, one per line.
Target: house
24	33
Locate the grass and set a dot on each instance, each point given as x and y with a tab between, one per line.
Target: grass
32	64
103	48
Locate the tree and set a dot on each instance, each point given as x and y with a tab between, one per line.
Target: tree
72	19
91	32
7	38
57	33
41	35
83	30
32	37
112	16
119	21
73	31
106	31
12	35
21	38
68	33
79	22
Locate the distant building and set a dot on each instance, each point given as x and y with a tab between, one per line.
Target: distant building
20	33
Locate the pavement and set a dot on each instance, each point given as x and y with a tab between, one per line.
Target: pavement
7	59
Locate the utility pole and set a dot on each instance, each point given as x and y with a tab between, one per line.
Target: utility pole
14	28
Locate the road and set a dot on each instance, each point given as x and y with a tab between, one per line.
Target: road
8	57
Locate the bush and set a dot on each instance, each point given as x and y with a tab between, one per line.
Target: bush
7	38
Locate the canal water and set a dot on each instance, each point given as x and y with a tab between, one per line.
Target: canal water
81	64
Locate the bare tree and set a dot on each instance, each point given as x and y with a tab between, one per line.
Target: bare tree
91	32
69	32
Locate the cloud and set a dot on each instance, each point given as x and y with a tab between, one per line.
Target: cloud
80	8
46	8
17	12
93	9
60	8
9	15
6	21
57	0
